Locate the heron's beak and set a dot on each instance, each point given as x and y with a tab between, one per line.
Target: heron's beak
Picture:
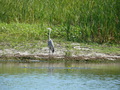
49	29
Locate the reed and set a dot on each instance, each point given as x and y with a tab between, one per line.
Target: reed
75	20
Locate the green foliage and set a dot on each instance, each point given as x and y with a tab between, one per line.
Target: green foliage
76	20
21	32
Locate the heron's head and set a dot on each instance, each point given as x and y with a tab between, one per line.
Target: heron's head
49	29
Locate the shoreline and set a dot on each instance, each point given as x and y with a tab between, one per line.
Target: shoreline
96	58
68	52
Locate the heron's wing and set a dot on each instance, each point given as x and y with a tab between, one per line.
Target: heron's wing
51	45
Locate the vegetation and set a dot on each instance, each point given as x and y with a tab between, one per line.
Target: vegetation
73	20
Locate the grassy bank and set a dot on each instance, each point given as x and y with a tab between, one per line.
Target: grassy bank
80	28
27	36
73	20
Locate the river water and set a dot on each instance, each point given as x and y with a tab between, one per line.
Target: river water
59	76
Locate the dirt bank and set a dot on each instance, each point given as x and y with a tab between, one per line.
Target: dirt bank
73	52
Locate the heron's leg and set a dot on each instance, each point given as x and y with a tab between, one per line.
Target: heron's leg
49	53
52	54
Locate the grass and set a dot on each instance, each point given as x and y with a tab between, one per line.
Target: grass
74	20
20	32
108	49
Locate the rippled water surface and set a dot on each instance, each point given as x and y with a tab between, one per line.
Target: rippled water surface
59	76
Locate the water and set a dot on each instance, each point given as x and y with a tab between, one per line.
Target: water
59	76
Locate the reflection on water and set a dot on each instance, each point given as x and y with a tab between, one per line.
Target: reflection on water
59	76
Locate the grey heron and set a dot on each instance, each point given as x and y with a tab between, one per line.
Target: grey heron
50	42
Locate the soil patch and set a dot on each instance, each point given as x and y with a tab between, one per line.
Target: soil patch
74	52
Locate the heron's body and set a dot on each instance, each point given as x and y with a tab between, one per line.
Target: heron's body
50	43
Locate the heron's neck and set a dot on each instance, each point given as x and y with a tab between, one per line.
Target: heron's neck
49	34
